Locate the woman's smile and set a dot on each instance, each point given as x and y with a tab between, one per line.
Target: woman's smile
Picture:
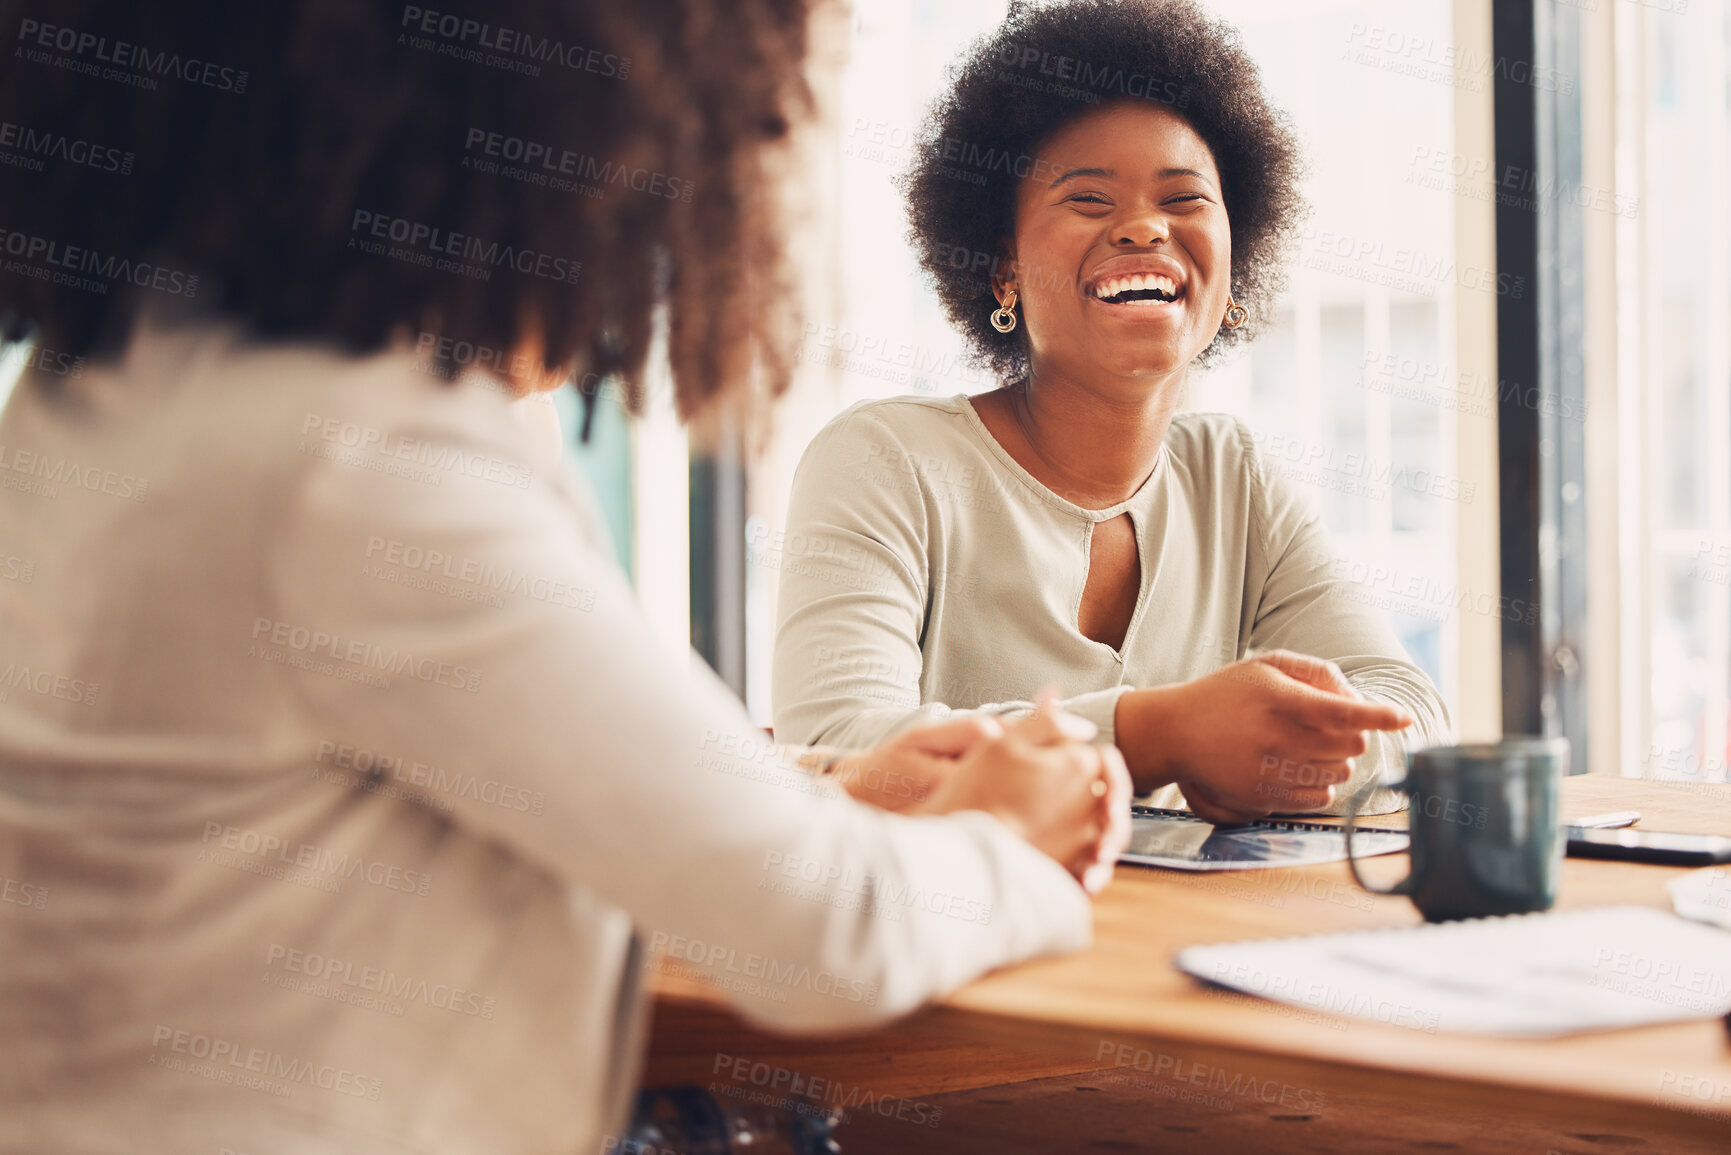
1136	288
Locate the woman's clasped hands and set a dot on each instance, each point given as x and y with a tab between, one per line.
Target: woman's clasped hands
1038	774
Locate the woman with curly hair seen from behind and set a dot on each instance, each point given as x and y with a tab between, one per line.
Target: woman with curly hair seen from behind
1104	199
348	788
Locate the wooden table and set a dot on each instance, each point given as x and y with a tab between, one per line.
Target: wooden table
1114	1049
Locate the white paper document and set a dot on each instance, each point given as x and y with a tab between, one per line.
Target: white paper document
1535	974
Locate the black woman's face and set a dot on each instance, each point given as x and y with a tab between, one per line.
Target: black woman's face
1122	252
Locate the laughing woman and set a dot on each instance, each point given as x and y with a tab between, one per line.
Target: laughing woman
1094	240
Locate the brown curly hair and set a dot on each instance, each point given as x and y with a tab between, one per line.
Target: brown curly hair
348	171
1045	66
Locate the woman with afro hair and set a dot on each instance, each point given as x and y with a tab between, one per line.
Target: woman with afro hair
1105	198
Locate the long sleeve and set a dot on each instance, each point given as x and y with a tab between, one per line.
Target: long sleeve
615	770
1305	604
863	583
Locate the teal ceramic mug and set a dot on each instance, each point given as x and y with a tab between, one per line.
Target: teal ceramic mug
1486	836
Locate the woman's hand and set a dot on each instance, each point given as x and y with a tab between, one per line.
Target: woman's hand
904	771
1273	732
1041	778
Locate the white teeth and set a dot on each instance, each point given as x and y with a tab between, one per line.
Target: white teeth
1112	286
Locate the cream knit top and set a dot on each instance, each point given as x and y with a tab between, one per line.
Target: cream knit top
924	572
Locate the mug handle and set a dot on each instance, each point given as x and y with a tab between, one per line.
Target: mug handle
1404	886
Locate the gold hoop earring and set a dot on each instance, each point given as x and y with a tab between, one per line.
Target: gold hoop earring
1004	316
1236	314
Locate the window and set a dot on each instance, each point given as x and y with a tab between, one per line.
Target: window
1672	251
